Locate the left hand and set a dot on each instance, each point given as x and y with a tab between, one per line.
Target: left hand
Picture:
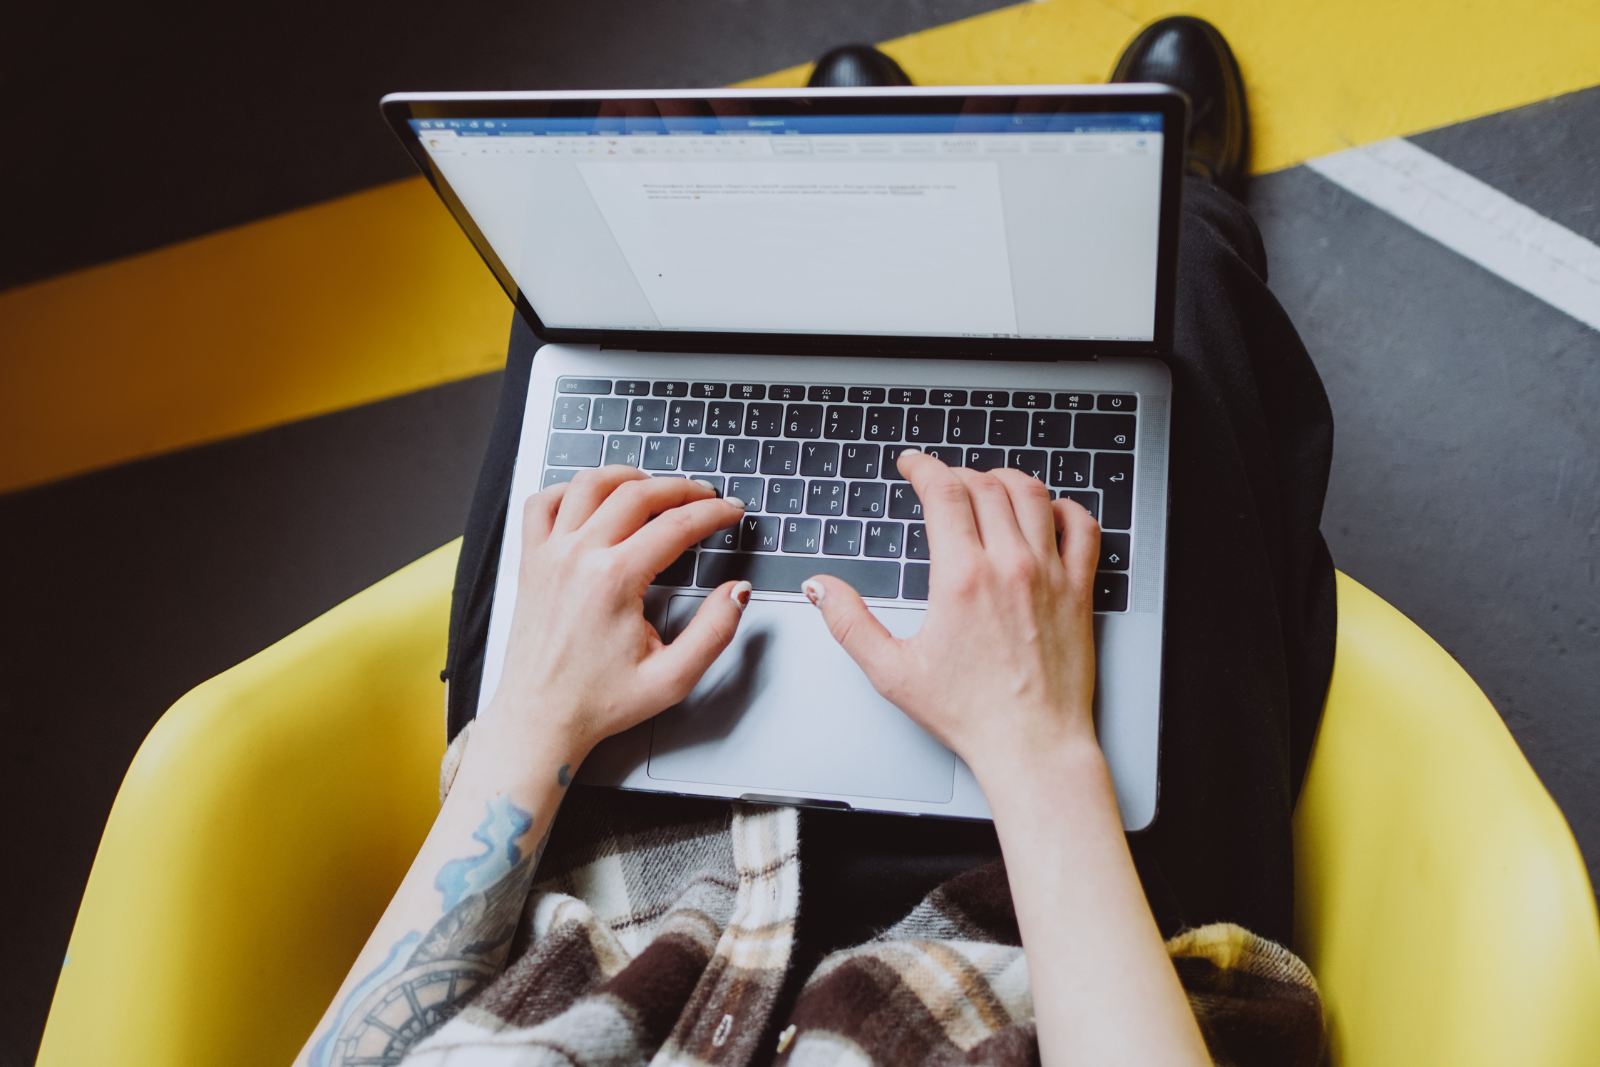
583	662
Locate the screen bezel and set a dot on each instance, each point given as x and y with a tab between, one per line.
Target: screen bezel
400	108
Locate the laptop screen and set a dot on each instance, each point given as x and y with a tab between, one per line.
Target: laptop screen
1028	226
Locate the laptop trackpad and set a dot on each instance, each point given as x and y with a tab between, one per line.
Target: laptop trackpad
784	710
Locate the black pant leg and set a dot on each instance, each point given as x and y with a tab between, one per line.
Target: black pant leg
1250	595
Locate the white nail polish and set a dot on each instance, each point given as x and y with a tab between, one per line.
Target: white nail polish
702	481
736	502
813	590
740	595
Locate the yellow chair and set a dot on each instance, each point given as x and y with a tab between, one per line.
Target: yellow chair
269	815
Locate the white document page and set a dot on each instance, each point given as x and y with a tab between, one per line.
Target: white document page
837	247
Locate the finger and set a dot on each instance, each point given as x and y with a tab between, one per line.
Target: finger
625	511
1080	540
992	511
674	669
539	514
1030	504
864	639
652	549
952	532
588	490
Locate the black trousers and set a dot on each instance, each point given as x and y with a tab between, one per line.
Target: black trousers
1249	627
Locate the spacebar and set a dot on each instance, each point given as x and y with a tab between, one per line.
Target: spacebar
783	574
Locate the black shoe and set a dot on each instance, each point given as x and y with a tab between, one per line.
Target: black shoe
854	66
1190	54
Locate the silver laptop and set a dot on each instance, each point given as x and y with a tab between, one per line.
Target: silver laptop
779	291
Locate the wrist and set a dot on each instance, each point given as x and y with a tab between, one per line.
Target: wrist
513	755
1040	763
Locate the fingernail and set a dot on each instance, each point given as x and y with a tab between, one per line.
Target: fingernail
736	502
701	481
740	595
813	590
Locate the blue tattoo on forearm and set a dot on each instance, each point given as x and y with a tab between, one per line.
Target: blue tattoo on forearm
427	978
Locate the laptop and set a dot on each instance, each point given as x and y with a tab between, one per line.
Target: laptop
777	291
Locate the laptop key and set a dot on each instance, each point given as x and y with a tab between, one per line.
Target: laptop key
624	449
825	394
779	457
908	396
661	453
866	500
916	583
803	421
649	416
679	572
891	460
786	392
802	535
609	413
574	449
758	533
1113	476
1008	427
784	574
670	389
748	491
708	390
1074	401
556	474
986	459
990	398
764	420
700	455
725	418
843	423
819	460
1117	402
949	455
916	541
964	426
925	426
1052	429
786	496
948	398
747	392
1110	592
883	539
1069	470
571	413
1030	461
1104	431
741	457
859	461
631	388
841	537
686	416
1030	400
583	385
1090	501
860	394
904	502
1114	549
884	424
725	539
825	497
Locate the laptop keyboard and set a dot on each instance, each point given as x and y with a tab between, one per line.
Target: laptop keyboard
815	467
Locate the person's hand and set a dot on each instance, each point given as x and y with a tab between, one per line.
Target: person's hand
583	662
1004	662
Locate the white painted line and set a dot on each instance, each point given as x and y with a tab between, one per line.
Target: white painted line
1475	220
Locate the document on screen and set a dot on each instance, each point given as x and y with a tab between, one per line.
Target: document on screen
832	247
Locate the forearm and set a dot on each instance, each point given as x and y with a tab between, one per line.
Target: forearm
448	929
1104	990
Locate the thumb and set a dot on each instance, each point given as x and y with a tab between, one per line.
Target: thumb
676	668
856	629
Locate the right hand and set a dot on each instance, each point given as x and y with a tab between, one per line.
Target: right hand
1004	662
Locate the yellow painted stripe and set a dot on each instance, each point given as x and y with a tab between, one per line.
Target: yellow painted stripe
325	308
1321	75
379	294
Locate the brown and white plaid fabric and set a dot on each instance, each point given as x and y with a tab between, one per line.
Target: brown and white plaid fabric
665	941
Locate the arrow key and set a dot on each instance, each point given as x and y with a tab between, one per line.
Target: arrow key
1114	551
